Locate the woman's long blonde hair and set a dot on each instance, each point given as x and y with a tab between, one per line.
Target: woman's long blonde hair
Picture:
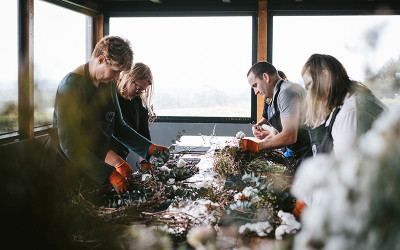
330	85
138	72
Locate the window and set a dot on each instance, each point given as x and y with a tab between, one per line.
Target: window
9	67
367	46
199	64
59	48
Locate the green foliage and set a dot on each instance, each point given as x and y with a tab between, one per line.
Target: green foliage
8	123
176	173
9	108
384	84
269	164
259	181
207	193
265	166
264	196
177	139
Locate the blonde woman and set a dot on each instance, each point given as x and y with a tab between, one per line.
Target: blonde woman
134	89
338	109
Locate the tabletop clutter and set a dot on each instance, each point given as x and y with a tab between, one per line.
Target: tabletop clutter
209	192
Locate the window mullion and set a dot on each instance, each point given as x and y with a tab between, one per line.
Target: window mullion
25	69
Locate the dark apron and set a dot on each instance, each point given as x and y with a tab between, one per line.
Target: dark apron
321	137
302	147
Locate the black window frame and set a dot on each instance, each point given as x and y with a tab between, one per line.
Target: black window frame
145	10
26	67
193	8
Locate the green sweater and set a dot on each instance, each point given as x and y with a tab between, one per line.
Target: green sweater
86	117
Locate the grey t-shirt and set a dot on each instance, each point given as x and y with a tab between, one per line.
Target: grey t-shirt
289	99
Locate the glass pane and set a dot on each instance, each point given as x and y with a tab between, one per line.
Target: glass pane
9	66
367	46
59	47
199	64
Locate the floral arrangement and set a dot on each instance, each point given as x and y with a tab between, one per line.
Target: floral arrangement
249	187
260	183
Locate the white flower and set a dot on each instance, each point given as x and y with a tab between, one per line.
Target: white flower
146	177
243	228
240	135
199	237
171	181
165	169
357	188
181	163
261	228
237	196
289	225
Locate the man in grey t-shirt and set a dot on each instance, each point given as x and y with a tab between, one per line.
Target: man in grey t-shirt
283	119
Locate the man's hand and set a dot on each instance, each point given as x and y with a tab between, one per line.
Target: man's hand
146	165
119	182
125	170
259	132
247	144
159	151
270	130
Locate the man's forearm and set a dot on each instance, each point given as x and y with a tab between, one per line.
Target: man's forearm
278	141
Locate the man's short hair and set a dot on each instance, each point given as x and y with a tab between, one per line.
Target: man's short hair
258	69
117	51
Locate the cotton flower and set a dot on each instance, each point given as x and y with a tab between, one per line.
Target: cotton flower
260	228
240	135
202	211
237	196
146	177
289	225
359	190
165	169
171	181
199	237
181	163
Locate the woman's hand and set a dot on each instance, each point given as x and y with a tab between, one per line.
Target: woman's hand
159	151
119	182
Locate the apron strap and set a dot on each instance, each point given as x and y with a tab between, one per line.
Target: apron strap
335	112
278	85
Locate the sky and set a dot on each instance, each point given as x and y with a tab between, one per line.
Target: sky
190	48
357	42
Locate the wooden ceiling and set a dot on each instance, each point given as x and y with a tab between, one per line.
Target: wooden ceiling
157	6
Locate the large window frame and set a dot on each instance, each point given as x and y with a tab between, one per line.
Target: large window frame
102	10
312	8
26	129
207	13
